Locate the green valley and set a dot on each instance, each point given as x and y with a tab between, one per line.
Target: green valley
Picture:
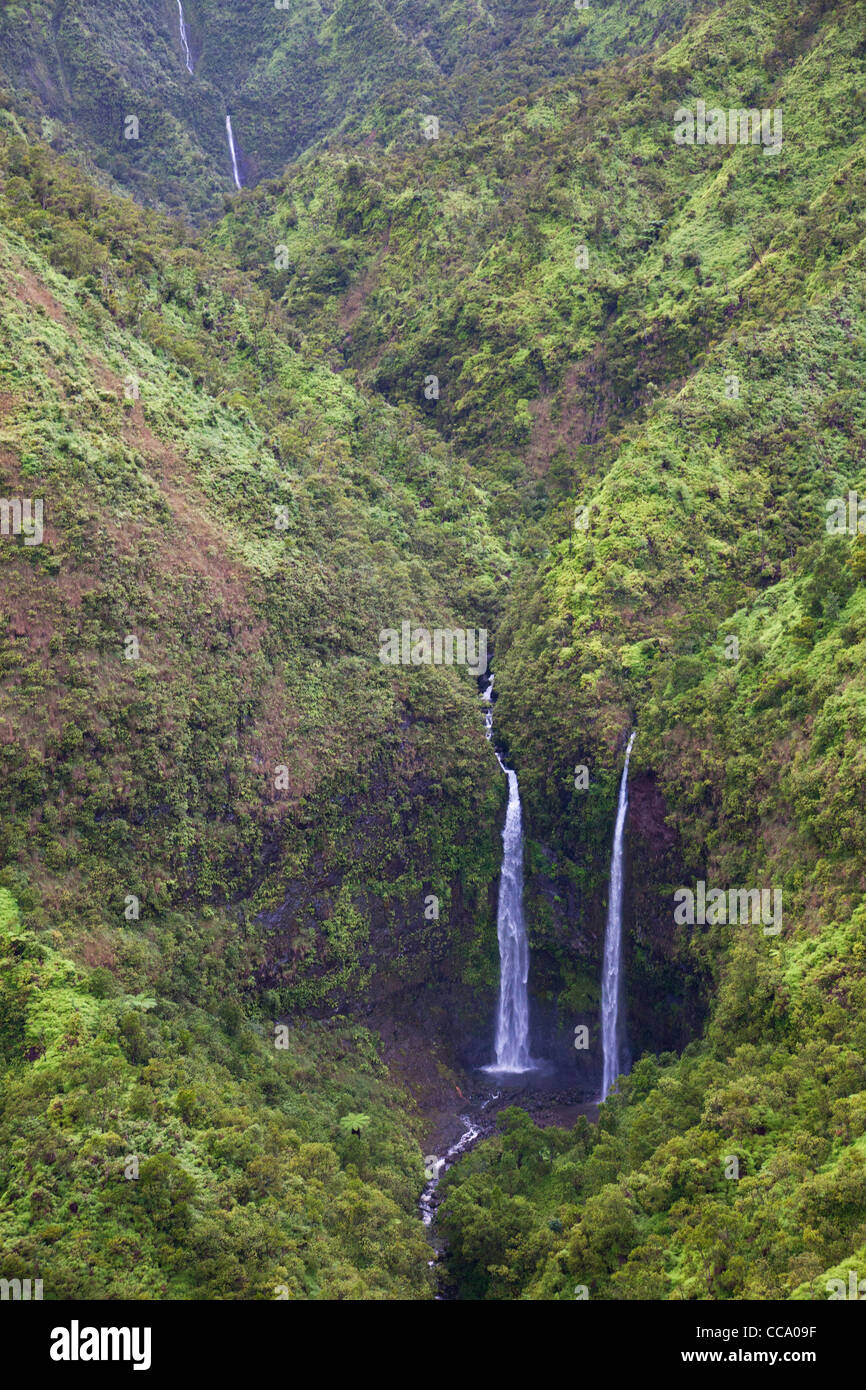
537	369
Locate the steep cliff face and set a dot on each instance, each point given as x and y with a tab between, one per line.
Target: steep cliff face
380	926
668	992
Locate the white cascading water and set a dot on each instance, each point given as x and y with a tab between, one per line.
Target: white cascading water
427	1204
238	183
512	1021
184	38
187	57
610	979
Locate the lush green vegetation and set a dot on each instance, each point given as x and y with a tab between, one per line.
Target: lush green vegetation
624	475
252	521
290	75
605	388
706	522
158	1151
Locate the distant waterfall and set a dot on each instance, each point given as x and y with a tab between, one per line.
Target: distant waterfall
238	183
184	38
187	58
512	1022
610	980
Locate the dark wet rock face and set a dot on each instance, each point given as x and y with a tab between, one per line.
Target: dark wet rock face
665	990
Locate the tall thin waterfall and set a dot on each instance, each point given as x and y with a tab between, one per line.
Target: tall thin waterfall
184	38
238	183
512	1021
611	972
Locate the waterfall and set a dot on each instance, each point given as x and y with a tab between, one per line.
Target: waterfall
512	1022
611	971
232	152
184	38
187	57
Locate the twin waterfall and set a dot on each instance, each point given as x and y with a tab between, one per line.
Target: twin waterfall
512	1020
187	58
612	968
